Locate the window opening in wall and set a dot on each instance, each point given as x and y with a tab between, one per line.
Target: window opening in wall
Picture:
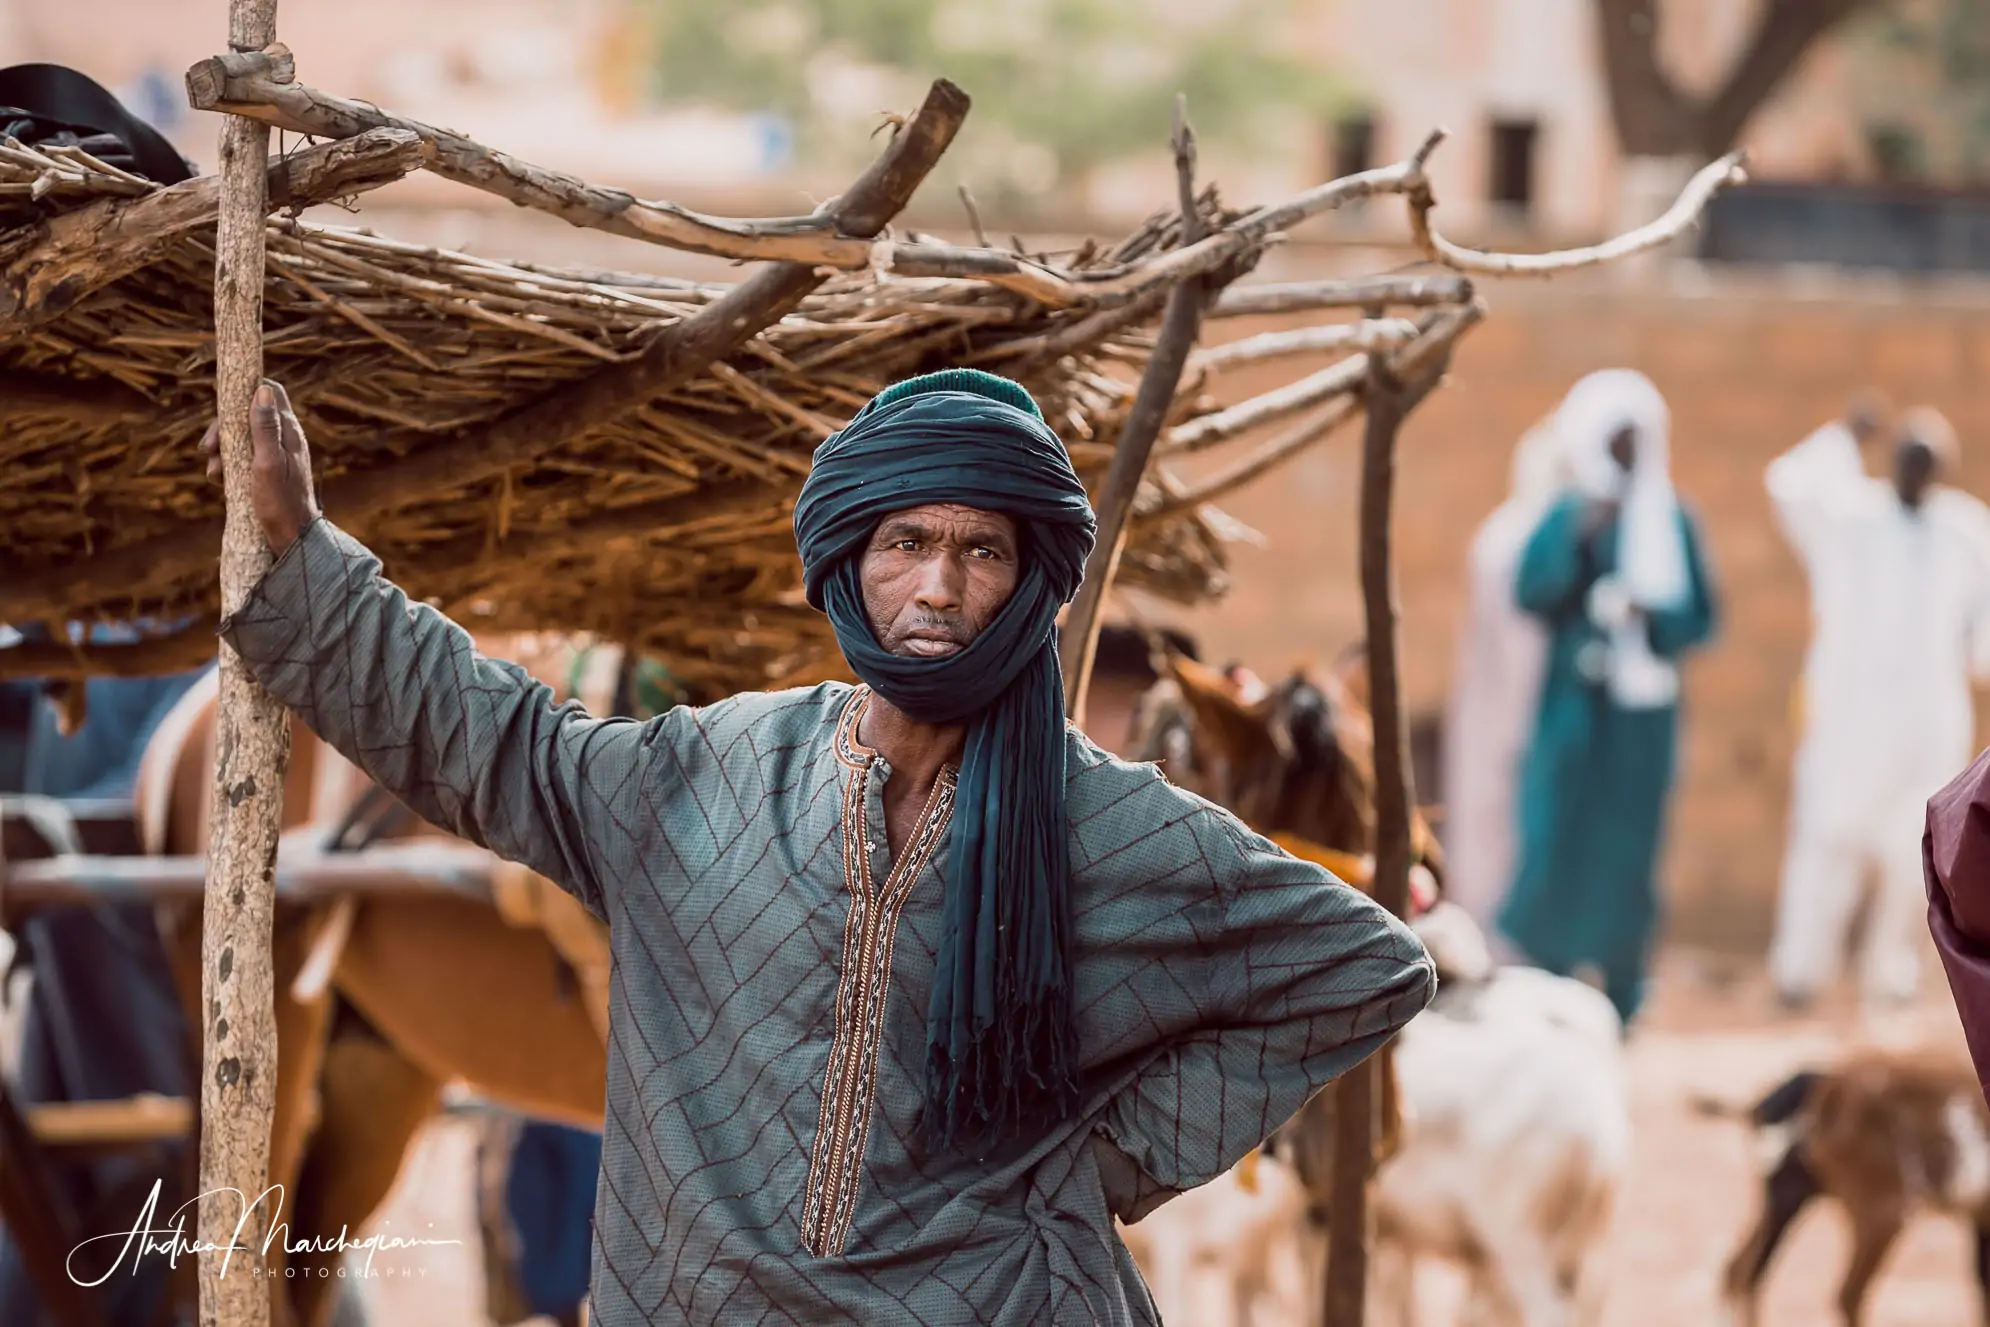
1353	145
1513	148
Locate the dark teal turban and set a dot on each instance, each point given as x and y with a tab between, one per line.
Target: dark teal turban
1001	1036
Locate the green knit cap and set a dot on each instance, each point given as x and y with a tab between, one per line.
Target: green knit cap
991	385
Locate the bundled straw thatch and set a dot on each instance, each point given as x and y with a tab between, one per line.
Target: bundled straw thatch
669	529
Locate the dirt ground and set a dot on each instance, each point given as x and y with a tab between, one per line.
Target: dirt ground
1712	1031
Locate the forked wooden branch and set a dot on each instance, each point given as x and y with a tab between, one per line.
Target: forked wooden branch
81	251
261	86
1684	213
1439	335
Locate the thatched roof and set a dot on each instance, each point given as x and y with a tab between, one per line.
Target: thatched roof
542	449
669	529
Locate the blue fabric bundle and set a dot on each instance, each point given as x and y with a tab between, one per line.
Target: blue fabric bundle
1001	1035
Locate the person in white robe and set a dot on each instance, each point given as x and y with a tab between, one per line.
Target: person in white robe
1900	591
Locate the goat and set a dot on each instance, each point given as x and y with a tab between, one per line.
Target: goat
1887	1134
1519	1136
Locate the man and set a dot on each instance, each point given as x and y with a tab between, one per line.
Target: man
915	989
1900	588
1495	688
1615	574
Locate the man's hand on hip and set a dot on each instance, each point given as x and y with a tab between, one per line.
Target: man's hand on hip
280	492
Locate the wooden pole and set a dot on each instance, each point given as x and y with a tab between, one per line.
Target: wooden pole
252	747
1181	323
1389	401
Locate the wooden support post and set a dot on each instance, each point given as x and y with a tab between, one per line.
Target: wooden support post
1181	323
1388	401
252	745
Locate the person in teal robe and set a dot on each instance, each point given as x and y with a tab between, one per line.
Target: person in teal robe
1616	574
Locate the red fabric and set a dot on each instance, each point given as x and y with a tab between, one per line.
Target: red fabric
1955	855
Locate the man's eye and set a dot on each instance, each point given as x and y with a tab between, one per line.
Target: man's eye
983	551
905	545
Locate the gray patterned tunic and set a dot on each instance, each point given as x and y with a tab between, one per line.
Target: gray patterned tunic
761	1160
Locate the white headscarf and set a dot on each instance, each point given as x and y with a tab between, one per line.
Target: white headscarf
1651	570
1540	466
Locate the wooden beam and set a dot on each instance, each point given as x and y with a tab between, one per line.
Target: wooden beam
1367	335
459	870
261	85
1441	331
679	354
45	270
1388	402
186	648
252	750
1181	323
145	1118
33	826
1413	290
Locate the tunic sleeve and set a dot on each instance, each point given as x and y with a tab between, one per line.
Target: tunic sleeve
1557	567
1955	857
1240	981
1673	631
472	744
1814	486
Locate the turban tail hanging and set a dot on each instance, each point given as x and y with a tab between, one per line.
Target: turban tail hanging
1001	1033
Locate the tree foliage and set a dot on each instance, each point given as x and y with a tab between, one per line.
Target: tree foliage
1928	107
1060	87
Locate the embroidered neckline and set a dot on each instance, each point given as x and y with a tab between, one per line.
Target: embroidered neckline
870	929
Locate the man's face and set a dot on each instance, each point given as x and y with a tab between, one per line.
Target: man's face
935	576
1914	469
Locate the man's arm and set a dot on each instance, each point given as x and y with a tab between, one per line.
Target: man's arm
1813	485
1248	981
472	744
1558	563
